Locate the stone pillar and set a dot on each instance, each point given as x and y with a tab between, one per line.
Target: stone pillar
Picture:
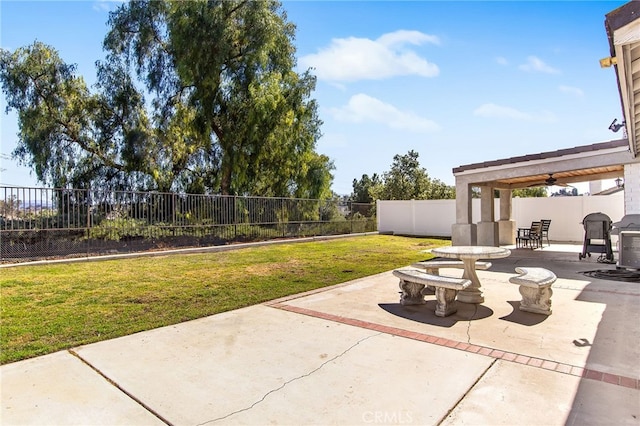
463	232
487	228
506	224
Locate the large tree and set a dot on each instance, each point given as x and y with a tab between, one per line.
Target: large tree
406	180
224	109
54	112
366	189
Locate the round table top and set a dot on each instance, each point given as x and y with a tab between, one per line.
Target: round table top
480	252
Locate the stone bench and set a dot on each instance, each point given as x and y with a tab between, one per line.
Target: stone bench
433	266
535	288
413	282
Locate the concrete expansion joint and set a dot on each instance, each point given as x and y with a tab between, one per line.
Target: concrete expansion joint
121	389
282	386
486	370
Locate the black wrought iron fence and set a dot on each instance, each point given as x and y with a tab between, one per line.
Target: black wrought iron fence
39	223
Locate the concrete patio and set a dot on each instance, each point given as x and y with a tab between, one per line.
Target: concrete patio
351	354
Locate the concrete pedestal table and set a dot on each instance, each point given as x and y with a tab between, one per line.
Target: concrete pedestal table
469	255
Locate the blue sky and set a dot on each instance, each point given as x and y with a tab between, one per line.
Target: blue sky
458	82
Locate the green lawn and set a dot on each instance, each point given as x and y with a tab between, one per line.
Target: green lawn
46	308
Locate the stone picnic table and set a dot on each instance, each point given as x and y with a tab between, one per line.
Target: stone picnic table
469	255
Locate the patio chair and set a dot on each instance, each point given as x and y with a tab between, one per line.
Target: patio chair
529	237
546	223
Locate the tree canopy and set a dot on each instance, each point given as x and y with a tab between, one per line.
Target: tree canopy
366	189
405	180
566	192
199	96
537	191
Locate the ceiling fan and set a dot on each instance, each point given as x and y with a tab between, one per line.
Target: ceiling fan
550	181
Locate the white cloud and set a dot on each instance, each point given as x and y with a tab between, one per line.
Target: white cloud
502	61
402	37
535	64
571	90
351	59
497	111
363	108
106	5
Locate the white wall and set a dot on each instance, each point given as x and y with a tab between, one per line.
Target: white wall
435	217
417	217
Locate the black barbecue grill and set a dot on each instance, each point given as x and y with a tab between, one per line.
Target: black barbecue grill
597	237
628	231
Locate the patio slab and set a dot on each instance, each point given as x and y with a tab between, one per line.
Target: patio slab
59	389
261	365
513	394
566	336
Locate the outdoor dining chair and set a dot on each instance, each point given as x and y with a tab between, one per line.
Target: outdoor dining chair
546	223
529	237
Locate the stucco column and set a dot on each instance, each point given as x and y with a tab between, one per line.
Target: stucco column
463	232
506	224
632	188
487	228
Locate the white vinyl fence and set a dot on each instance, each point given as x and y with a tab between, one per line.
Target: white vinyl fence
435	217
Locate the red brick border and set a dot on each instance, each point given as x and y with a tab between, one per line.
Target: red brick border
573	370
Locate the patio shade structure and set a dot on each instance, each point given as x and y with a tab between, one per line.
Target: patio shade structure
606	160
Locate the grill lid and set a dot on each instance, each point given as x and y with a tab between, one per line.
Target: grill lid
629	222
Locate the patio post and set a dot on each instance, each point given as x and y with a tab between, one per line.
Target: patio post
487	227
463	232
631	191
506	224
